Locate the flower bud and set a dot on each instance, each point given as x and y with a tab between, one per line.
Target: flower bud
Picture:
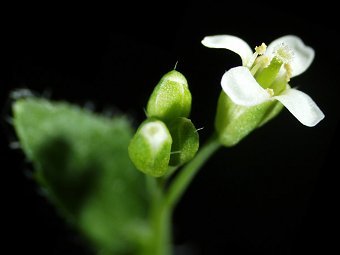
150	148
233	122
185	141
171	98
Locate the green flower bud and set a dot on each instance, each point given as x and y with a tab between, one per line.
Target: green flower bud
171	98
150	148
185	141
233	122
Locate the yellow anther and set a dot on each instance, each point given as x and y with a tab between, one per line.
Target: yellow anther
261	49
263	60
289	71
260	62
270	92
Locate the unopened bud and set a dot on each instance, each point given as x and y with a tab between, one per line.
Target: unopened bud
150	148
171	98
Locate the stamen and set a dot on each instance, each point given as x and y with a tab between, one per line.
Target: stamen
264	60
284	53
289	71
260	62
255	68
259	50
270	91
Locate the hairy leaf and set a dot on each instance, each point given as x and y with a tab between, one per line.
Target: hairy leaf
81	160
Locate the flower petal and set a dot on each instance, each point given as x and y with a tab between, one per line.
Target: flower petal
229	42
301	106
303	55
242	88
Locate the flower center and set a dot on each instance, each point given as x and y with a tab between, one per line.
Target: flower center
272	74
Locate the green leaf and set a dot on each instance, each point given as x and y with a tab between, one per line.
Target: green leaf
82	162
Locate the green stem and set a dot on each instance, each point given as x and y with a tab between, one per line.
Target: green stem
164	202
162	231
160	220
184	177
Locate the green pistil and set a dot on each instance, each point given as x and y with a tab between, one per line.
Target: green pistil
268	75
279	85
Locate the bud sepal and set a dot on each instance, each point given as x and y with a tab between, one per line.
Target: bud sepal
150	148
170	98
185	141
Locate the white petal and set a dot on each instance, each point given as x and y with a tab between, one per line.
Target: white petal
303	55
301	106
229	42
242	88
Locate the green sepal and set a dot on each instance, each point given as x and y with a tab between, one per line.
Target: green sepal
185	141
233	122
150	148
170	98
272	111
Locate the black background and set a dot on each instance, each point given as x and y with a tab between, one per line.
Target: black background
274	193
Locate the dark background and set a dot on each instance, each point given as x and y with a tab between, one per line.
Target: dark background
274	193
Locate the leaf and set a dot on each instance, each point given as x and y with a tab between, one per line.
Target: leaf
81	160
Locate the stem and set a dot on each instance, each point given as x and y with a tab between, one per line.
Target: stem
185	176
163	202
160	220
162	231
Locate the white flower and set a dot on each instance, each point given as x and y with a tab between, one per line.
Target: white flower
264	75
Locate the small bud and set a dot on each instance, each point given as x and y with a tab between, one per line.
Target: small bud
171	98
185	141
150	148
233	122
